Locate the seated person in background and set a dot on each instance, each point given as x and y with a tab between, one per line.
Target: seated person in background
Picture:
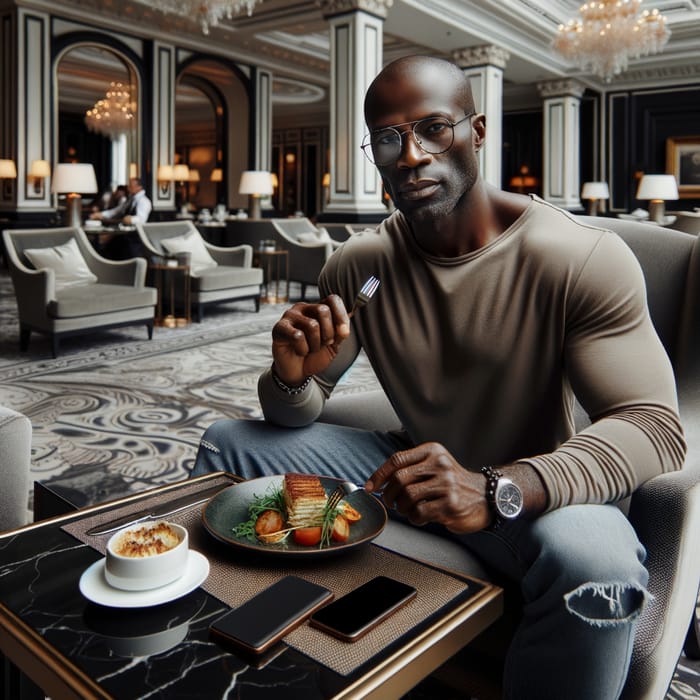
495	310
136	208
111	200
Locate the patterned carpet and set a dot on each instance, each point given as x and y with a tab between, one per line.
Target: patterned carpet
121	413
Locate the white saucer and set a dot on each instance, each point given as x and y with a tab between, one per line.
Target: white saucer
95	588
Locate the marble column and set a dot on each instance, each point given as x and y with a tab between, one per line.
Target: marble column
561	142
356	29
484	66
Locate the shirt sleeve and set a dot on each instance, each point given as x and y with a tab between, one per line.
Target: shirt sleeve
298	410
621	375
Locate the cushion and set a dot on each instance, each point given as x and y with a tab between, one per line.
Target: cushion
190	243
66	261
313	237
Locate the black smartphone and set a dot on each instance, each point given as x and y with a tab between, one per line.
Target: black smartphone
271	614
356	613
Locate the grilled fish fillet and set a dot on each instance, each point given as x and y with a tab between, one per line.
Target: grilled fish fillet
305	500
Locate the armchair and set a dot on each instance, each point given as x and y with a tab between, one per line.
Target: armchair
230	276
665	511
15	452
308	249
112	295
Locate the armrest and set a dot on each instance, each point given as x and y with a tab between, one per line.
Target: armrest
131	272
34	289
235	256
665	513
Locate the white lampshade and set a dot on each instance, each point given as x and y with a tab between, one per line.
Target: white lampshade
8	170
217	175
74	177
256	182
39	168
595	190
165	173
181	172
658	187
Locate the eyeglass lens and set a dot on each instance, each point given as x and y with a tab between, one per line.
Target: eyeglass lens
433	135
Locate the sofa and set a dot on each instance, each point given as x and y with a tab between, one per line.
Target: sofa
665	511
15	453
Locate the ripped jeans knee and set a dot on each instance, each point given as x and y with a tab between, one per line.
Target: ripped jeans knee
607	604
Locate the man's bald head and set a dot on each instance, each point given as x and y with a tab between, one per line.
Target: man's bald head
419	73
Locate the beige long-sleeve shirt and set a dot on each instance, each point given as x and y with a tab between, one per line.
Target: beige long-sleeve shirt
485	353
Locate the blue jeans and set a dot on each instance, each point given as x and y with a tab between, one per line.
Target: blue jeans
579	568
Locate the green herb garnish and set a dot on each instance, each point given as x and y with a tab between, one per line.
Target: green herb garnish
274	500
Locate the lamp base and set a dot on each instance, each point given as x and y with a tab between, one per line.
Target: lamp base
657	211
254	206
74	214
592	207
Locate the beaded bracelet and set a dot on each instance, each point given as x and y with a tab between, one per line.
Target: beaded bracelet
290	390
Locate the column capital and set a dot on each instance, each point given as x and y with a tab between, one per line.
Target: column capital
338	7
474	56
561	88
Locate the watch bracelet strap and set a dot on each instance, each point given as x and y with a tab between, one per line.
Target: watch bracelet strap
290	390
492	477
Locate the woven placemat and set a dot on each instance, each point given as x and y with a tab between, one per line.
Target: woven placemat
235	577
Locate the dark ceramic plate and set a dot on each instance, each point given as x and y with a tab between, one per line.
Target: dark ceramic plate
230	508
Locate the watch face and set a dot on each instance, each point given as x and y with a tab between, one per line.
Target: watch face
509	499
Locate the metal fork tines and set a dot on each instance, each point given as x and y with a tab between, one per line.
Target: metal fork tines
365	294
344	488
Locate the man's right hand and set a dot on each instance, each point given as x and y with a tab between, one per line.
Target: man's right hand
306	339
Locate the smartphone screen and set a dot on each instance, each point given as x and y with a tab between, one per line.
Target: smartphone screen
356	613
271	614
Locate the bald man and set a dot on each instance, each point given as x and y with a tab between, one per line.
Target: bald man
495	311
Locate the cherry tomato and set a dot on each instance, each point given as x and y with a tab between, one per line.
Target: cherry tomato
350	514
341	529
307	536
268	524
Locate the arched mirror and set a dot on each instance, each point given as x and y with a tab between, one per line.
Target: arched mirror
211	134
98	91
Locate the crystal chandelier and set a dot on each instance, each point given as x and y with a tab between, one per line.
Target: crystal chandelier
112	115
609	33
207	12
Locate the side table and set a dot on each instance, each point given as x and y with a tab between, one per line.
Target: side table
173	308
273	262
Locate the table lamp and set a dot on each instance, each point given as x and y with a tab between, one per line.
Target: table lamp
73	180
657	189
8	171
38	170
593	192
255	183
217	175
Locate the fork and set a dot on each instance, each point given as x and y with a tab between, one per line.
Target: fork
365	294
344	488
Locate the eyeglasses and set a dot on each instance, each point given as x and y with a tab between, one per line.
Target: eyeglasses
433	135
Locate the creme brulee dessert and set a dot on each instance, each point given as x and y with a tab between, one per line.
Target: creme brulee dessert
147	540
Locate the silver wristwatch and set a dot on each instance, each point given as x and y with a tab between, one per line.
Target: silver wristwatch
504	497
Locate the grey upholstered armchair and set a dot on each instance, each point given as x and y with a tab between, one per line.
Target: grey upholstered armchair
665	511
308	251
78	291
217	274
15	452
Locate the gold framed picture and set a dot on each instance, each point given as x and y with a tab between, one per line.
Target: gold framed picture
683	161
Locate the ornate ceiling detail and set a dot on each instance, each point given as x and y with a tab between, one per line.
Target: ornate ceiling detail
481	56
561	88
337	7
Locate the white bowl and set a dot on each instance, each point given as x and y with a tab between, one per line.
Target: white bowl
133	562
